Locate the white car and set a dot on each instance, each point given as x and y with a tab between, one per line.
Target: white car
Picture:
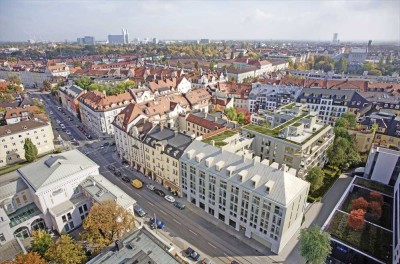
169	198
68	133
150	187
58	121
51	112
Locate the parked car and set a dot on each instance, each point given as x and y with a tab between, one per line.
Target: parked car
137	184
139	211
68	132
179	205
159	192
111	167
190	252
117	173
169	198
156	223
150	187
206	261
125	179
106	144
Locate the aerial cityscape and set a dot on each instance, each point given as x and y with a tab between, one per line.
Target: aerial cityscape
224	132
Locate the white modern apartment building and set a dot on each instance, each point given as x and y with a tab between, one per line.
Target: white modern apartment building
396	221
12	139
98	110
293	137
55	192
264	202
383	165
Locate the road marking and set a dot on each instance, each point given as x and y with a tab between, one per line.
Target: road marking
192	232
226	255
176	221
150	203
211	245
139	195
163	212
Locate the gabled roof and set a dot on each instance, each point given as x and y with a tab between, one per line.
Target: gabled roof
53	168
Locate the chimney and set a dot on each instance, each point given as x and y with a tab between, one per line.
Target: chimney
119	245
284	167
256	160
213	142
161	126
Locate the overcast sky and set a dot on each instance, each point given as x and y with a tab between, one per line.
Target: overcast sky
284	19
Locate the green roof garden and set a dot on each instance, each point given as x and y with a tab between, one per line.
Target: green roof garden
288	106
219	138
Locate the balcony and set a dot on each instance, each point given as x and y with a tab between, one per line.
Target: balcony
23	214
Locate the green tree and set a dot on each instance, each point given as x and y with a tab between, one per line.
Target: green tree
196	65
241	118
77	64
95	86
381	62
212	65
315	177
231	113
65	251
347	121
315	245
31	151
179	64
47	85
341	65
83	82
15	79
389	58
105	223
368	66
41	242
375	72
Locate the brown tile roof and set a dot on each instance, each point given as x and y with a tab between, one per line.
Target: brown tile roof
16	112
347	85
100	102
242	89
198	96
21	126
292	81
203	122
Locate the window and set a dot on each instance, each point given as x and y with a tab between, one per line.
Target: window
24	198
64	219
18	201
2	238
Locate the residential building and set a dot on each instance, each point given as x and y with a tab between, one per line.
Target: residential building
162	149
86	40
294	137
12	139
56	192
139	246
364	140
331	104
396	221
265	203
20	114
199	99
69	96
383	165
357	55
98	111
237	92
240	74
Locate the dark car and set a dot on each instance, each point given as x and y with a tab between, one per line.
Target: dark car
139	211
179	205
156	223
125	179
117	173
190	252
111	167
106	144
159	192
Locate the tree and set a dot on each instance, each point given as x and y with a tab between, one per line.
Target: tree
196	65
212	65
315	245
105	223
241	118
341	65
375	72
179	64
389	58
31	151
381	61
315	177
375	210
347	121
359	203
83	82
231	113
28	258
368	66
376	196
356	219
15	79
77	64
65	251
41	242
46	85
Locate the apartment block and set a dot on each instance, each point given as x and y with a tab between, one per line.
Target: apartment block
264	202
12	139
396	221
292	136
162	149
56	192
69	98
383	165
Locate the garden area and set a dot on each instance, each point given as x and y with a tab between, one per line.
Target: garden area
219	138
370	238
331	174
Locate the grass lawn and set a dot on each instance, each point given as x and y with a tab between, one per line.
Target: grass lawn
386	189
218	138
371	239
12	168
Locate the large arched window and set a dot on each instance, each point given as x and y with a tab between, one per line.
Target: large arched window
38	224
22	232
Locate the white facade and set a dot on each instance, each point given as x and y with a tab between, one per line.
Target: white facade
383	165
246	194
396	221
184	86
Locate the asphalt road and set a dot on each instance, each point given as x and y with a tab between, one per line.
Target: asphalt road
188	224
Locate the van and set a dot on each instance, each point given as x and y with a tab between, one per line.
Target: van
137	184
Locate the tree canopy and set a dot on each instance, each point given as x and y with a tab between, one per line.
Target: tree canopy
28	258
31	151
315	245
66	251
105	223
315	177
83	82
41	242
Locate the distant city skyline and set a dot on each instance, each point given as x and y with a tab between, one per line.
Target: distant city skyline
62	20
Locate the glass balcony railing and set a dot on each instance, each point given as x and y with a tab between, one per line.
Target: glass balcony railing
23	214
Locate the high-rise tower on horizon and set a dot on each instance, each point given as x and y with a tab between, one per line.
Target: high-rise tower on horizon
335	38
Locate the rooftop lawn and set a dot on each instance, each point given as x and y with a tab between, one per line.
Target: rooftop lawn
371	239
274	131
386	189
289	106
218	138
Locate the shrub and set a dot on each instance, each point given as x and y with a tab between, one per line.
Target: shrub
359	203
376	196
356	219
375	209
